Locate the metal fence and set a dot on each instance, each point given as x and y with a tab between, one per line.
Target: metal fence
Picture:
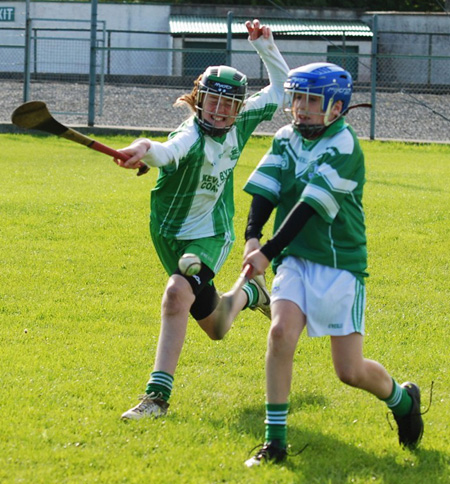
406	77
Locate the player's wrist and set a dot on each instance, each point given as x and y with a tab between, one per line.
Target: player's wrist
262	44
252	232
143	143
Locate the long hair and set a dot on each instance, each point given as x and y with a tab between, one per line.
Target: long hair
191	98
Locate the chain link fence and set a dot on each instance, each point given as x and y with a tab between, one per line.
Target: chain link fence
407	79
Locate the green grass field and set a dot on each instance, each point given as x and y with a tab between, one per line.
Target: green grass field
80	290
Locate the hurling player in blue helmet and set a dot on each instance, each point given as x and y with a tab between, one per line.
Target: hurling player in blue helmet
314	176
316	96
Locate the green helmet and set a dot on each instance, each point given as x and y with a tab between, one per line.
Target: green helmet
225	82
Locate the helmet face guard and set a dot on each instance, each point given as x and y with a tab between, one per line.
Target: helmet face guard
221	95
326	81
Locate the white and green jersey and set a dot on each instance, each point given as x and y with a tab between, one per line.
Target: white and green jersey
328	174
193	196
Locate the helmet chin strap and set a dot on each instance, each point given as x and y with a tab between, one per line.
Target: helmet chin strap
309	131
313	131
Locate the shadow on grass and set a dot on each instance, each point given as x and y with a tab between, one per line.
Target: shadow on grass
415	188
327	459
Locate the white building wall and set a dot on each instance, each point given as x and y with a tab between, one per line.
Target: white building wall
150	17
421	38
410	21
74	57
291	48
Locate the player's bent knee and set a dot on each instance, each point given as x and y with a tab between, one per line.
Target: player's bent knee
349	376
279	333
211	328
176	299
215	336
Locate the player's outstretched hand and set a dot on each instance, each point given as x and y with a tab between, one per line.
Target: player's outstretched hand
136	151
258	261
256	30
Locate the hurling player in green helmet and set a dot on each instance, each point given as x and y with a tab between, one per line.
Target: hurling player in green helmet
314	175
192	205
220	98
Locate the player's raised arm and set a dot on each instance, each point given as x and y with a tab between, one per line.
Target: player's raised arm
261	39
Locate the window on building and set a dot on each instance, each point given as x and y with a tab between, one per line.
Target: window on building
347	57
194	63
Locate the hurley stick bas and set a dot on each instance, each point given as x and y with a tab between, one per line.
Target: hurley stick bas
35	115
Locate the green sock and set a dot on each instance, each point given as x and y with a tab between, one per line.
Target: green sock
399	401
160	382
252	294
276	422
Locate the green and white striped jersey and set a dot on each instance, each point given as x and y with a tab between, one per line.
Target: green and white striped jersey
193	196
327	173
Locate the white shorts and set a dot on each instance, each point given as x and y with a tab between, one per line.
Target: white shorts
333	300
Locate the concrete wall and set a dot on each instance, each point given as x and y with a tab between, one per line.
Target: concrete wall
423	35
73	56
410	22
155	17
150	17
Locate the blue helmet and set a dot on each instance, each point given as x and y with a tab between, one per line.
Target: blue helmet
329	81
322	79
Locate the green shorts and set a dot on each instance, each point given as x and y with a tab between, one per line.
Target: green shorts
213	251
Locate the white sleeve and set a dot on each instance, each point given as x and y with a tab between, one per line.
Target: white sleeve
273	60
169	153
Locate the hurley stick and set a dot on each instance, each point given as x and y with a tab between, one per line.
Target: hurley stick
35	115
